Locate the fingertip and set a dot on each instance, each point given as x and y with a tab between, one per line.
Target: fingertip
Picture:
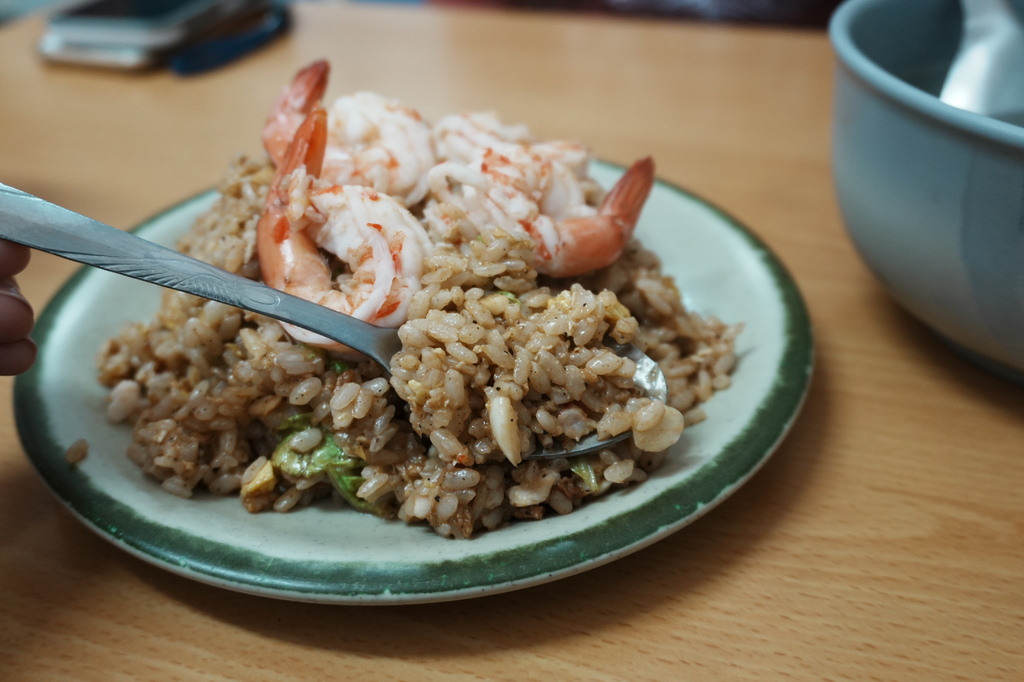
17	357
13	258
16	315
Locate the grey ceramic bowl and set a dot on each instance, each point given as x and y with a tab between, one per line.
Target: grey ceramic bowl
932	196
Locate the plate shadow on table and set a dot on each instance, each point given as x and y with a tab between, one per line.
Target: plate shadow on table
52	567
672	571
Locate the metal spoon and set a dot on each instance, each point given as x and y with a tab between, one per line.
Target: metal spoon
37	223
987	74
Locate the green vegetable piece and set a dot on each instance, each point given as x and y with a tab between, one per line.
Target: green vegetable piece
342	470
295	423
348	484
581	467
340	366
312	353
309	464
510	296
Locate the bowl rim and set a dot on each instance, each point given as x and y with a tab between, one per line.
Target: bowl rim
862	67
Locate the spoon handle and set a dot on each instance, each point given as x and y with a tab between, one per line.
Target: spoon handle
36	223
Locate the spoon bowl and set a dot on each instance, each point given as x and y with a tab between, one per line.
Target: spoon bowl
39	224
985	76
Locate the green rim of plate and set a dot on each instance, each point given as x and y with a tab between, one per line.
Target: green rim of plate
375	582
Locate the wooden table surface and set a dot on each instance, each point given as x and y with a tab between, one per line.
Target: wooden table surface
884	539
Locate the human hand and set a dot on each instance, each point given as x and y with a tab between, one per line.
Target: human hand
17	351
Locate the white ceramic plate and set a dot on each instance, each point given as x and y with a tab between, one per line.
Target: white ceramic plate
332	554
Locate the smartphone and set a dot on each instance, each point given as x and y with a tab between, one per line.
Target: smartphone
134	33
54	48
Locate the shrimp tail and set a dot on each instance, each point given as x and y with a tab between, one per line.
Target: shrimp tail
593	242
307	147
293	105
627	197
280	248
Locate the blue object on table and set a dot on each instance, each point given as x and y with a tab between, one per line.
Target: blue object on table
210	54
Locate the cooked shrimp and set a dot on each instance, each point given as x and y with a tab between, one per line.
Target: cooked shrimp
505	189
461	137
379	143
291	108
371	141
585	243
382	244
513	190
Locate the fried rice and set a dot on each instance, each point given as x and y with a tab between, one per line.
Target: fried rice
497	362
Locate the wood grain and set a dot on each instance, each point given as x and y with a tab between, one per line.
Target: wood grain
884	540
